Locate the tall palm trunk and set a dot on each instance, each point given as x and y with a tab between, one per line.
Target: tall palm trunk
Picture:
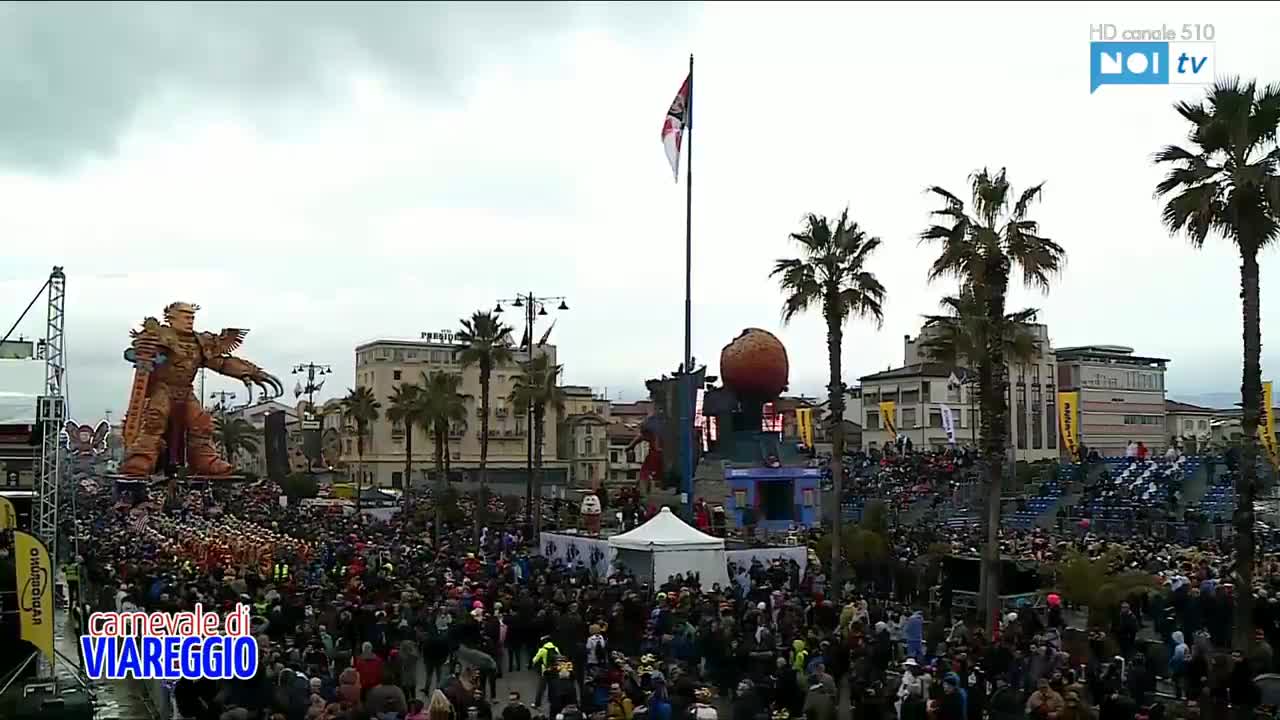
482	500
1251	406
835	395
539	416
441	484
993	379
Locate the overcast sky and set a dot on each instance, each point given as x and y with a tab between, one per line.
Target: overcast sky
324	175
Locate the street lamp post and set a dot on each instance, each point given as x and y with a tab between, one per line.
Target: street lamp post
222	397
534	306
312	387
309	421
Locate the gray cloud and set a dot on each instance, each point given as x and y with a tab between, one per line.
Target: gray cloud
73	76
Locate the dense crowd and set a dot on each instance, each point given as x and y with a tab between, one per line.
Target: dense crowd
361	618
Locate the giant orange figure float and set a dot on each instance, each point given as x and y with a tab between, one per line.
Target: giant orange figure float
164	413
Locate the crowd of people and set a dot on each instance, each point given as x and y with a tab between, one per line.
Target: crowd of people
361	618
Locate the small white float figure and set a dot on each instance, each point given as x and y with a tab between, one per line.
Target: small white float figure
590	513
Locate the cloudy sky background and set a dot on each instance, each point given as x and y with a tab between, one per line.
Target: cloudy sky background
325	175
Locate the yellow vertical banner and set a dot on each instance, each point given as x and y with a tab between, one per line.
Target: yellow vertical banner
889	418
1267	426
1069	421
804	426
35	592
8	515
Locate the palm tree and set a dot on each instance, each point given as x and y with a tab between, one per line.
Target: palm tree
538	386
980	248
487	344
442	407
404	407
1228	184
959	336
832	274
234	435
361	407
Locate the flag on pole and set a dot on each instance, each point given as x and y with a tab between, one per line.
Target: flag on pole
547	335
673	127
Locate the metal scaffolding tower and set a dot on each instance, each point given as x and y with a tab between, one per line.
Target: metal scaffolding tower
52	416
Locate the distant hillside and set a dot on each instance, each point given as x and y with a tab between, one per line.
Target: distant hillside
1215	400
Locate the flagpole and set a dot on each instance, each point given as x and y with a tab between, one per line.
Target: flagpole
690	393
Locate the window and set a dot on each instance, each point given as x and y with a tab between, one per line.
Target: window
1021	411
413	355
1188	425
397	429
395	374
908	417
873	419
347	446
614	456
953	392
589	445
1037	404
591	472
935	418
1051	423
399	356
1203	424
397	479
924	391
437	356
588	430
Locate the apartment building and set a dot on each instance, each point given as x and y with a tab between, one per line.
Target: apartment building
383	364
1190	427
922	390
1122	396
584	437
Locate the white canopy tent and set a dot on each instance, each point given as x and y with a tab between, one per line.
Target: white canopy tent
666	545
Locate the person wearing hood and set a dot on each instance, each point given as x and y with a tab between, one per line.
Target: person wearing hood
913	633
1178	664
952	704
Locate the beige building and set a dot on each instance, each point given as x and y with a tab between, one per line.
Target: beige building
381	365
923	390
584	437
1122	396
1190	427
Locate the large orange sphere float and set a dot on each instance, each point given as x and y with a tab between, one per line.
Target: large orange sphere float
755	365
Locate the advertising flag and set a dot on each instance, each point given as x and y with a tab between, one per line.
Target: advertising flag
804	426
35	592
889	418
8	515
1267	426
949	424
1069	421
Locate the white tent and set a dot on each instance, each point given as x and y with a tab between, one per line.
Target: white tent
666	545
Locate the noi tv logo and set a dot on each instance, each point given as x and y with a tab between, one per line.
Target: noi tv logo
1150	63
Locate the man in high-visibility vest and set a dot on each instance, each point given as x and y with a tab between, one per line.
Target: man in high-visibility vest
545	661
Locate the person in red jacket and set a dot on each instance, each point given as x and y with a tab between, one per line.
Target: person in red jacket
369	667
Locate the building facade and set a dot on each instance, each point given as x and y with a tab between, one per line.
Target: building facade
923	390
625	459
382	365
1189	427
1122	396
584	438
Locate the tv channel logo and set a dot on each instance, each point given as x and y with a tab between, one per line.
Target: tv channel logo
1150	63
